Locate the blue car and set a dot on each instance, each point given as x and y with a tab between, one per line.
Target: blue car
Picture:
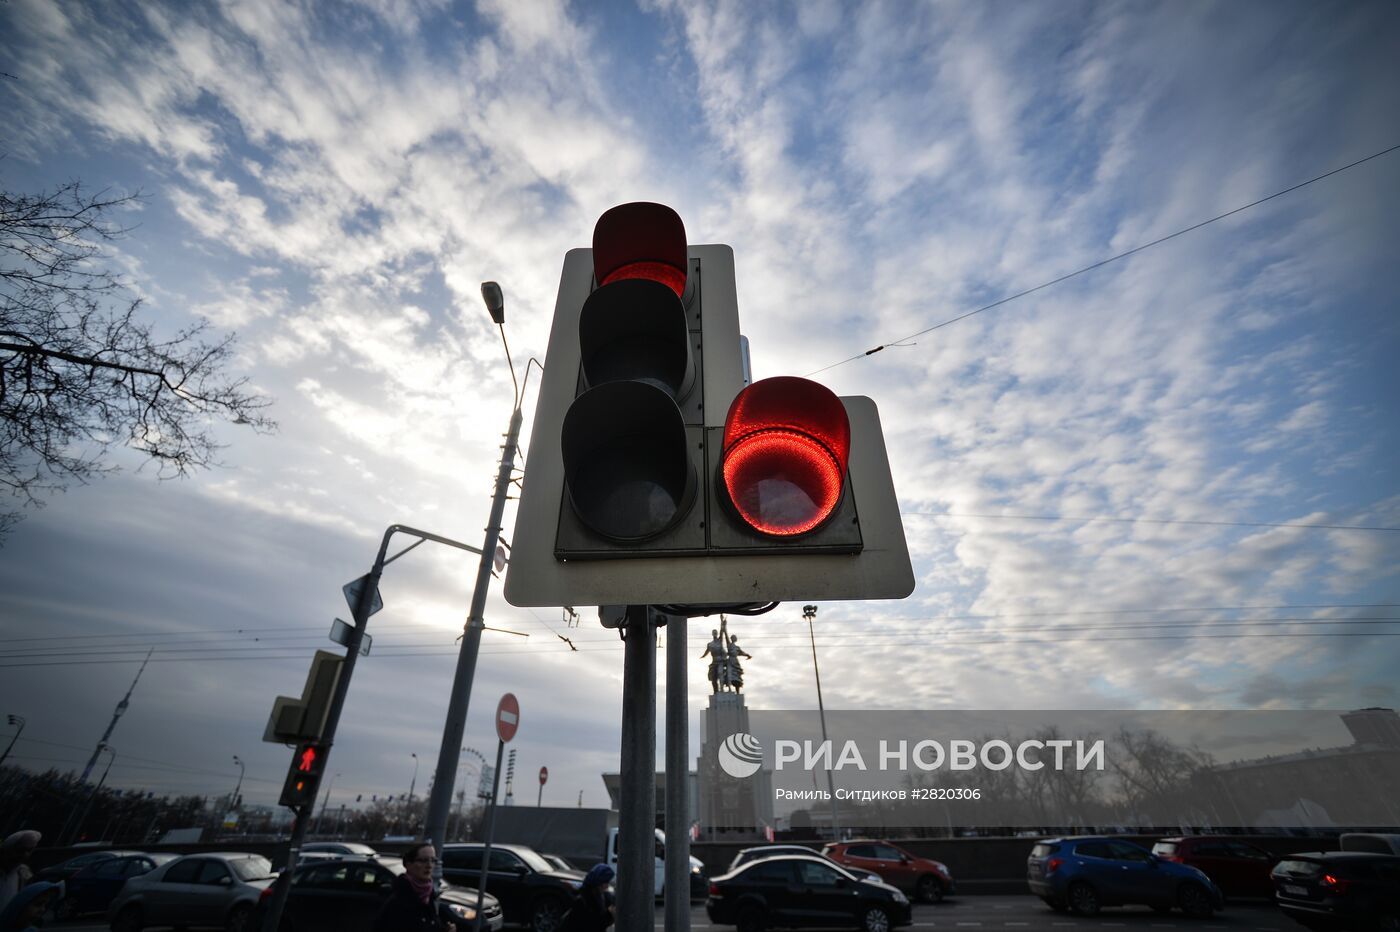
91	889
1083	875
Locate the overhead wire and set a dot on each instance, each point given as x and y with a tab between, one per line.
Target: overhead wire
1102	262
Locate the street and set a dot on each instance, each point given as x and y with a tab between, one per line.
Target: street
1007	912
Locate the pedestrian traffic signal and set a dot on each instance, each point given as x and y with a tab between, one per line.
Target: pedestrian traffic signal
657	476
304	775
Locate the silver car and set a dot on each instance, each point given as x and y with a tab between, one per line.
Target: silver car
215	889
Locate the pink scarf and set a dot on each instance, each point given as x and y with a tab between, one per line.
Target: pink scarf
423	889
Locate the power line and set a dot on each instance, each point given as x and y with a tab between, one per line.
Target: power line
1096	518
616	648
1103	262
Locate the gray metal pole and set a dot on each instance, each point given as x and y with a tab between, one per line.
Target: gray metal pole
677	778
440	799
116	714
636	830
830	784
490	830
342	686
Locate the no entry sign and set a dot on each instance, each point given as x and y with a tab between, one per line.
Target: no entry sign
544	775
507	717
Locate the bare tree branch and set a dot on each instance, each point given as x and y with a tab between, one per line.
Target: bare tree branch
80	371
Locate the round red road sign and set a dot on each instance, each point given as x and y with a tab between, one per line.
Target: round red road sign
507	717
544	775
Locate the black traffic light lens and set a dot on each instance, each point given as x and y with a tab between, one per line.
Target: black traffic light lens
626	460
636	329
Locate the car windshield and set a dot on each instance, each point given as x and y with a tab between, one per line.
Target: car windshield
254	868
533	859
393	866
1164	848
1040	851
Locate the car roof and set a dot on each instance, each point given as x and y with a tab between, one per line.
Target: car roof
1341	856
464	845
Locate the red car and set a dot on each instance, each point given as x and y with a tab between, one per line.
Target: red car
928	880
1238	868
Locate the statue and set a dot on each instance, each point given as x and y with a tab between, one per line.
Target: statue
724	653
734	673
715	651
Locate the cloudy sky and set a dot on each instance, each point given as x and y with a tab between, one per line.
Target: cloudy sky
1104	484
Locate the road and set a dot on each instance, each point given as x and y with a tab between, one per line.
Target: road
1010	914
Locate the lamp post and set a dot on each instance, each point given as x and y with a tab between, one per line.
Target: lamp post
14	720
233	800
809	612
440	802
325	802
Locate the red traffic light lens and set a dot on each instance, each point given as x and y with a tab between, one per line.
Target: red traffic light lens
786	446
641	240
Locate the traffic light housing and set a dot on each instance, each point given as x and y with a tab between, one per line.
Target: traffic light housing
304	775
303	719
656	476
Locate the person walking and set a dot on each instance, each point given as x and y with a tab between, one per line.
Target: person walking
592	909
413	904
14	863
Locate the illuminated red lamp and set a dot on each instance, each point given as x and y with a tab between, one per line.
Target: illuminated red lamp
641	240
787	442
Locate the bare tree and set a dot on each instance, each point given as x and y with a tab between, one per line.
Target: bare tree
81	371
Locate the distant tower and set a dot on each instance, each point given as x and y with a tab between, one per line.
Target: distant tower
116	714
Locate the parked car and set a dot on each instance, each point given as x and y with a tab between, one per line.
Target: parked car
1085	874
92	889
772	851
559	862
1373	842
346	895
1340	889
928	880
799	890
532	891
1238	868
214	889
339	847
61	872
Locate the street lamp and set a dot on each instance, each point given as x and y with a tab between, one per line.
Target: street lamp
233	800
14	720
440	800
809	612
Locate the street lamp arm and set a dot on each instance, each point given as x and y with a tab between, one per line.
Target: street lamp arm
422	536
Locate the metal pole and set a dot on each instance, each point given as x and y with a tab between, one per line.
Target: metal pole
116	714
440	800
342	686
636	834
325	801
677	778
490	829
9	747
809	612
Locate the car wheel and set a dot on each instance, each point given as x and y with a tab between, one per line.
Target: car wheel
547	914
929	890
875	920
128	920
751	919
1083	899
237	920
1195	901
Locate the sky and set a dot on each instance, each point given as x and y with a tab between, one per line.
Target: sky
1150	445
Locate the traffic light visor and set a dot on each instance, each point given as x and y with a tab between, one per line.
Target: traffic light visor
641	240
787	443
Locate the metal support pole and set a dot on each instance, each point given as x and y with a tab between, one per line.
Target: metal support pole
490	829
636	830
440	799
342	686
677	778
809	612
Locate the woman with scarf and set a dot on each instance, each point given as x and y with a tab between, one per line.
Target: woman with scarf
413	906
592	910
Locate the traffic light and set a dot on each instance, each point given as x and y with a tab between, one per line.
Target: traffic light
303	719
657	476
304	775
